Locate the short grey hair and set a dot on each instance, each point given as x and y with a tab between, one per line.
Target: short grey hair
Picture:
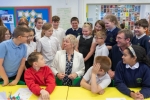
72	39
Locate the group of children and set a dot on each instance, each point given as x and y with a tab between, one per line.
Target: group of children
27	55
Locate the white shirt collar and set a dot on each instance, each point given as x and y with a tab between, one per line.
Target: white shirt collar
37	30
138	37
56	29
133	67
47	37
112	29
100	46
87	37
75	29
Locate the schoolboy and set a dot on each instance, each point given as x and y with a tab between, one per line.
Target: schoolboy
58	32
39	74
140	37
75	30
96	78
13	56
101	48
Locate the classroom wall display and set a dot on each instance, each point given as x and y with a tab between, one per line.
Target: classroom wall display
7	14
32	12
127	14
65	16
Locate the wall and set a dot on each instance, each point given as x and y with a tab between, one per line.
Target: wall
78	7
85	2
73	4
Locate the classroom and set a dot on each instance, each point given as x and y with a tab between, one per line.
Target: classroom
75	50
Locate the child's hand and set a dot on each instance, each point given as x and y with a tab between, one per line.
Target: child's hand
14	82
60	75
96	68
44	95
72	76
101	92
111	74
140	96
6	81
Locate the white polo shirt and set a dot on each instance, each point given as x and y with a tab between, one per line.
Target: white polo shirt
101	50
103	81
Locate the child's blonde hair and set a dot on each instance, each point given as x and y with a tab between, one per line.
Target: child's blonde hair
45	27
101	34
88	25
112	18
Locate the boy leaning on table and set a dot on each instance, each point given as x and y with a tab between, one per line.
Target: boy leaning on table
96	78
39	75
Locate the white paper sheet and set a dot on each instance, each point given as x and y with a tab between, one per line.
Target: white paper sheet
3	96
24	93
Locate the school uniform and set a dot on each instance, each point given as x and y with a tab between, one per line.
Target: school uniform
43	77
59	33
132	77
12	55
111	36
102	81
101	50
59	63
74	32
31	47
143	41
48	46
115	56
37	33
84	46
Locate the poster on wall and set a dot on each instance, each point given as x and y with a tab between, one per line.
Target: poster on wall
124	13
65	16
7	14
31	13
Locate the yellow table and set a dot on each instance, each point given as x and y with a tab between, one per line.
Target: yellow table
59	93
79	93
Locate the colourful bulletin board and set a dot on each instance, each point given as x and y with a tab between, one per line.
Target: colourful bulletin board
32	12
7	14
129	13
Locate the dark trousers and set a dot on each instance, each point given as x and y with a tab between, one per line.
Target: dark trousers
13	77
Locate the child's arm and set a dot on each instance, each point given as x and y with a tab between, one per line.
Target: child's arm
145	83
3	73
92	50
96	88
50	81
109	47
120	85
85	85
19	73
3	53
85	79
29	79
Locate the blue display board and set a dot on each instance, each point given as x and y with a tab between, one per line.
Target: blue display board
7	14
32	12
